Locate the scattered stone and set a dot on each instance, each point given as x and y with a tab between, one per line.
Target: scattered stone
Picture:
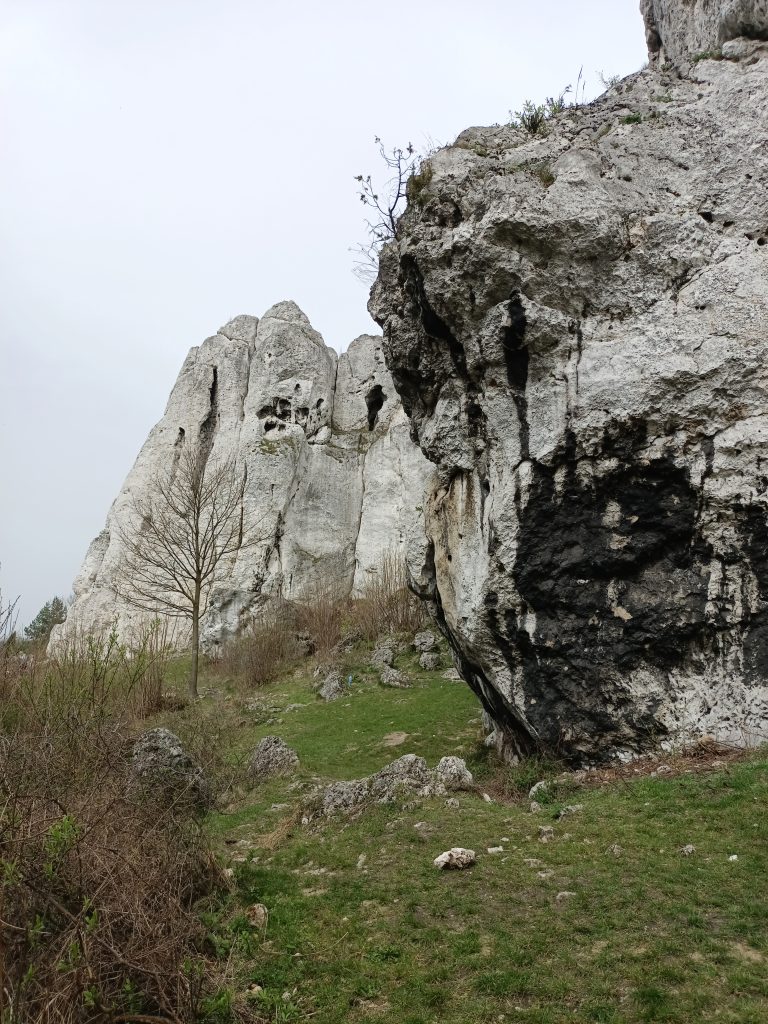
272	757
392	677
488	799
258	916
564	812
733	857
533	862
424	641
161	768
454	774
616	850
563	896
688	850
546	833
295	707
544	874
452	803
383	655
535	807
361	861
452	674
539	787
456	859
333	687
429	661
495	849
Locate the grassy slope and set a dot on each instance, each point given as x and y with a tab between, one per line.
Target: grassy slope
649	935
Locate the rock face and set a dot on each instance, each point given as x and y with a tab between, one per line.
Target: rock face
677	30
577	324
333	478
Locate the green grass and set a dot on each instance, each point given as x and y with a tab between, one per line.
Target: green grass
648	936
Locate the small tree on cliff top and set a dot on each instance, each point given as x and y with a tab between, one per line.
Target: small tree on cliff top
386	203
53	613
179	537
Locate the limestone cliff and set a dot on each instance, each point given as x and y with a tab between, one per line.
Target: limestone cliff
333	478
577	324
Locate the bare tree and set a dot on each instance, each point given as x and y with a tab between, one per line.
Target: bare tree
178	538
386	204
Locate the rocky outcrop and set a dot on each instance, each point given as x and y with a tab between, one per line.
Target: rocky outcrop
681	30
333	478
577	324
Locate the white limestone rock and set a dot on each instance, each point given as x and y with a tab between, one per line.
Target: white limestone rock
590	378
333	478
456	859
680	29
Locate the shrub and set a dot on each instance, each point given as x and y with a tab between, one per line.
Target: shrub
99	891
387	605
270	643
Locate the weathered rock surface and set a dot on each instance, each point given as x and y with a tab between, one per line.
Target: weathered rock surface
333	478
407	776
677	30
161	769
455	859
272	757
577	324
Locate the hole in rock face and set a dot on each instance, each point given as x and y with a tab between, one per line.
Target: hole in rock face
761	241
180	437
707	216
374	401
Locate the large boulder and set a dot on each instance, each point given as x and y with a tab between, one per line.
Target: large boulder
577	325
272	757
162	770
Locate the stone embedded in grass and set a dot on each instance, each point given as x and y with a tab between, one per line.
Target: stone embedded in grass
333	687
616	850
455	859
162	769
408	776
495	849
688	850
535	807
392	677
563	896
564	812
272	757
454	774
546	833
425	641
429	661
452	674
258	916
383	655
452	803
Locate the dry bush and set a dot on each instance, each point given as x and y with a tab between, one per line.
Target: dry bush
98	890
322	617
386	604
260	654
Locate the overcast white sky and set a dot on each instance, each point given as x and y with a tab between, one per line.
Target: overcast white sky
167	164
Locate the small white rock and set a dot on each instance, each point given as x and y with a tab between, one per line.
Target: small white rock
538	788
361	861
457	858
495	849
565	895
733	856
535	807
487	799
546	833
688	850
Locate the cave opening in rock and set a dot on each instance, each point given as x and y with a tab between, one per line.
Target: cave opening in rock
374	401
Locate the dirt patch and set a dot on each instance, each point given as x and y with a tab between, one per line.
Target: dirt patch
394	739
